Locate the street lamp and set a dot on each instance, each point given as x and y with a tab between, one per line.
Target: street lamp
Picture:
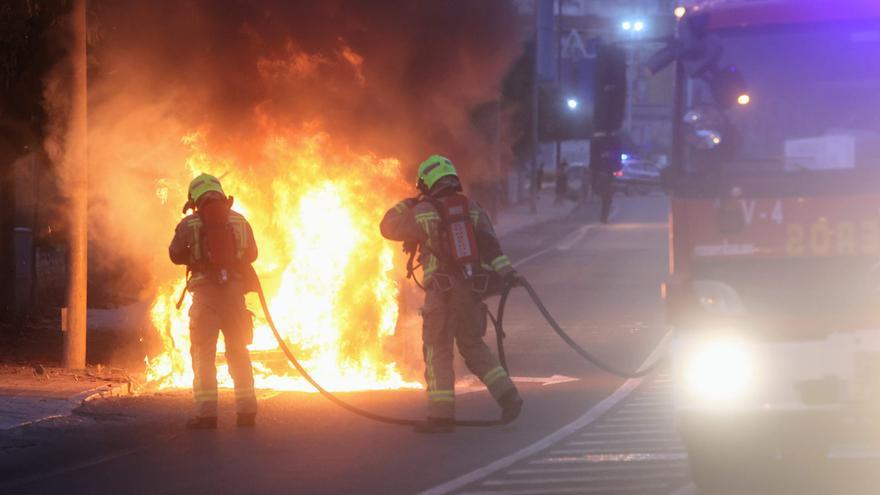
572	103
638	26
626	25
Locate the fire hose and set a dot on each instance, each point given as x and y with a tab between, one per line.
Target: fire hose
587	356
498	323
336	400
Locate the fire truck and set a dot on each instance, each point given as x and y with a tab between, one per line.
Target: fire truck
774	285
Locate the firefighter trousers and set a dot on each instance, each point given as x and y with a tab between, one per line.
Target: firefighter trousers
450	317
217	308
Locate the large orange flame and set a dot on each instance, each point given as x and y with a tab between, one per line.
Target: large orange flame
330	278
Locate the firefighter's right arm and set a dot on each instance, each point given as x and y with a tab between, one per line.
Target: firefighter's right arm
179	250
399	223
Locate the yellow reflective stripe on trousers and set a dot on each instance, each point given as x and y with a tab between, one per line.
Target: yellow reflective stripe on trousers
244	392
441	395
493	375
209	395
429	362
400	207
500	262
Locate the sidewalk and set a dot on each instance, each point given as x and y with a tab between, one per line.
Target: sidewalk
519	216
32	394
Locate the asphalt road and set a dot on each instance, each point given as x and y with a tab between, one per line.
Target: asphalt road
601	282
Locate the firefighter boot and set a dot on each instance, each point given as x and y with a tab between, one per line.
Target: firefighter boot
511	405
202	423
435	425
245	419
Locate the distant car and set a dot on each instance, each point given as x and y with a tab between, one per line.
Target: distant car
637	176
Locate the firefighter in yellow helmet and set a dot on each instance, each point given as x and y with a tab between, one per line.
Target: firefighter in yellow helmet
217	245
459	251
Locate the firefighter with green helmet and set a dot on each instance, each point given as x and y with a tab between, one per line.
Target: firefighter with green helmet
459	254
217	246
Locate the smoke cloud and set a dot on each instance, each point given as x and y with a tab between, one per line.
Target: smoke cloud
171	78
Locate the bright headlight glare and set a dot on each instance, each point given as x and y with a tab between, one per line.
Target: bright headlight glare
719	371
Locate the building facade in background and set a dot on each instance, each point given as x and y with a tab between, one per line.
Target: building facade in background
639	26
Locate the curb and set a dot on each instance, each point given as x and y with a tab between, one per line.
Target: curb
103	392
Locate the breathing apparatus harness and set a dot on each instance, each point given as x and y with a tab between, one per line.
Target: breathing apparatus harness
217	239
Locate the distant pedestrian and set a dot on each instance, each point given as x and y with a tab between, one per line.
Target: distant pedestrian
561	182
539	179
604	162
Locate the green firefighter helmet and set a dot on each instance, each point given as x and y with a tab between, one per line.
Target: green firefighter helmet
435	168
203	184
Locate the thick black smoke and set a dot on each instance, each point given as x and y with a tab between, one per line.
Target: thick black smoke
396	77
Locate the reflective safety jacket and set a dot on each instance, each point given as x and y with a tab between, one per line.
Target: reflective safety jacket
187	246
409	221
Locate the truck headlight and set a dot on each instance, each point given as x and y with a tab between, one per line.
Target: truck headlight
719	371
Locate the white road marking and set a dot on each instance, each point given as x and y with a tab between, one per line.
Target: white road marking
621	441
617	451
565	244
593	414
604	489
588	417
574	237
551	380
471	384
593	459
636	433
586	478
595	469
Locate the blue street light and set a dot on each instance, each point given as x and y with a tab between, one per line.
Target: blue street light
572	103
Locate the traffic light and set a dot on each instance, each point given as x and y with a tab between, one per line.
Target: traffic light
609	91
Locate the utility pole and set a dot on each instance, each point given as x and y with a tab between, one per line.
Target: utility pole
533	170
76	165
559	180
